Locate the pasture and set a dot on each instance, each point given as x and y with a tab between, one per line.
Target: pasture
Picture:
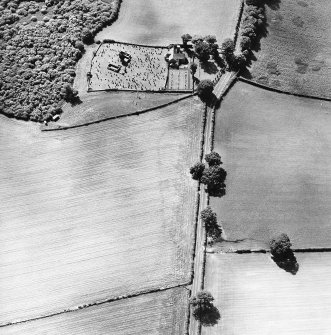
101	105
255	297
161	22
156	313
96	212
276	150
147	69
296	54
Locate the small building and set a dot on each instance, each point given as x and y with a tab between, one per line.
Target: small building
175	56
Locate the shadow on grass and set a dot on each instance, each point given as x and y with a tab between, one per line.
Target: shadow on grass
273	4
75	101
208	317
287	262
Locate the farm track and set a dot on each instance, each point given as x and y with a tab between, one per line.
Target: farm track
200	253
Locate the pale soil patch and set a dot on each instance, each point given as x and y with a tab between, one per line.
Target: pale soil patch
163	313
147	69
255	297
276	150
97	212
296	54
161	22
100	105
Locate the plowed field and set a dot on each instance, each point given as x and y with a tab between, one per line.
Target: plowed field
157	313
96	212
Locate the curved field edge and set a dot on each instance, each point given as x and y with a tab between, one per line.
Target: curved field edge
99	107
275	149
299	65
107	210
163	313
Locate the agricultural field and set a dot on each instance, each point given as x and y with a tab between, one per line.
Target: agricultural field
156	313
96	212
255	297
102	105
296	54
147	69
276	150
161	22
180	79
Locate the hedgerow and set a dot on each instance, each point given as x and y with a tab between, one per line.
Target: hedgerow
40	44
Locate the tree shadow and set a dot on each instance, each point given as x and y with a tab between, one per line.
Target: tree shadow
209	67
209	317
74	101
218	191
287	262
273	4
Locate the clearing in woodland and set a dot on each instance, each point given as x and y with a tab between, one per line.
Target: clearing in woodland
255	297
161	22
296	54
96	212
149	314
276	149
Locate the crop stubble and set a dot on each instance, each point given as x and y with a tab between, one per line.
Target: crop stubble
156	313
96	212
255	297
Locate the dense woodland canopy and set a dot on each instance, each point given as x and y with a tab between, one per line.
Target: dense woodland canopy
40	44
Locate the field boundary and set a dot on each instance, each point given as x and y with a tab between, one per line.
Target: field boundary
267	251
110	41
96	303
143	111
239	19
247	81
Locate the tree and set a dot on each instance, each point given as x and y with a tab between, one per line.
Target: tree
211	39
209	218
227	48
204	309
69	94
197	39
197	170
87	36
193	68
205	89
213	158
186	38
253	2
203	50
245	43
282	254
280	245
214	177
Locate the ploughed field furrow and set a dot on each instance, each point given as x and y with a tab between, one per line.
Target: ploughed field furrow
96	212
163	313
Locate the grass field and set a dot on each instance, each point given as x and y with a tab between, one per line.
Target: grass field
296	54
276	150
255	297
100	105
96	212
147	69
161	22
157	313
